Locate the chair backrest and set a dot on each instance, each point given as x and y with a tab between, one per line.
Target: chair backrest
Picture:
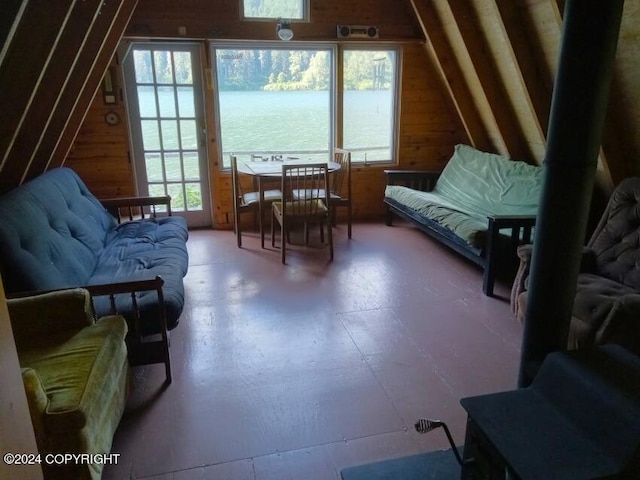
311	178
235	182
616	239
341	179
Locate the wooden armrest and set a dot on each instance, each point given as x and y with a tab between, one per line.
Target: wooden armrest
125	287
506	221
113	289
423	180
515	223
142	350
110	289
100	289
133	207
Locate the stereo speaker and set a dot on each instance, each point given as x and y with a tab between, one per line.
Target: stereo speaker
358	31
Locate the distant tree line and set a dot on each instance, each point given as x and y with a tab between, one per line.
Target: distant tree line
273	8
279	69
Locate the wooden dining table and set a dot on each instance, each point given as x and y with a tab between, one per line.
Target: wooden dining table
266	171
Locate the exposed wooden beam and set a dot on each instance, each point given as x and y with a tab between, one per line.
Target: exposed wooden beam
490	83
12	11
22	70
558	9
537	95
54	80
611	143
452	77
85	80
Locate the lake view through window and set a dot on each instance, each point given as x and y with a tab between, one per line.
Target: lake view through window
281	101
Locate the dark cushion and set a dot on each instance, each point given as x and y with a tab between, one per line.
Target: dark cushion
617	242
596	298
606	307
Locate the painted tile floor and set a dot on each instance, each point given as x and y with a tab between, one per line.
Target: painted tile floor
296	371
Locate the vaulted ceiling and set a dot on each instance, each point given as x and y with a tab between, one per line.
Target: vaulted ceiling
496	59
51	63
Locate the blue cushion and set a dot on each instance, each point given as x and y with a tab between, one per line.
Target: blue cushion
54	234
142	250
52	231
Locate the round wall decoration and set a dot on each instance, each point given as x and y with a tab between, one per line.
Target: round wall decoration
112	118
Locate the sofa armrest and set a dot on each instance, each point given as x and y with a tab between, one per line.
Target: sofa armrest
38	401
516	223
524	252
417	179
621	325
142	351
521	227
42	314
131	208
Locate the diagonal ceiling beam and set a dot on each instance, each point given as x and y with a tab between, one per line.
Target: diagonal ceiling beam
537	94
23	67
490	83
94	60
447	65
12	11
54	81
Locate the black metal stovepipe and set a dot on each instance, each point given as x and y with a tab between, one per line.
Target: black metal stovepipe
578	109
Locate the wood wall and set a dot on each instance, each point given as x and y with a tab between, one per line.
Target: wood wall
474	71
52	60
428	125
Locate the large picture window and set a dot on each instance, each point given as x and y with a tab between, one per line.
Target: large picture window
274	101
281	101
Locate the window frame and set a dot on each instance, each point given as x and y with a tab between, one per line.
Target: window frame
336	94
395	110
304	18
288	46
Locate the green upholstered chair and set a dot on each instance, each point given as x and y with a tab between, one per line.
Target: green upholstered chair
75	373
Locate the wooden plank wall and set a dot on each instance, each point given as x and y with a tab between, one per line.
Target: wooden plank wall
504	54
428	126
52	61
483	74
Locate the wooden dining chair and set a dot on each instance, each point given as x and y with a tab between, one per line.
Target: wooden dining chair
340	186
305	210
247	202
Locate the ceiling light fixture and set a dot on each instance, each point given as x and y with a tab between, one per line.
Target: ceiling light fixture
283	29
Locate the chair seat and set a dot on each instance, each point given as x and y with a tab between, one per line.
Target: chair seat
314	207
254	197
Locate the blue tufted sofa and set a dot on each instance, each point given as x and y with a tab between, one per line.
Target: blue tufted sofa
54	234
